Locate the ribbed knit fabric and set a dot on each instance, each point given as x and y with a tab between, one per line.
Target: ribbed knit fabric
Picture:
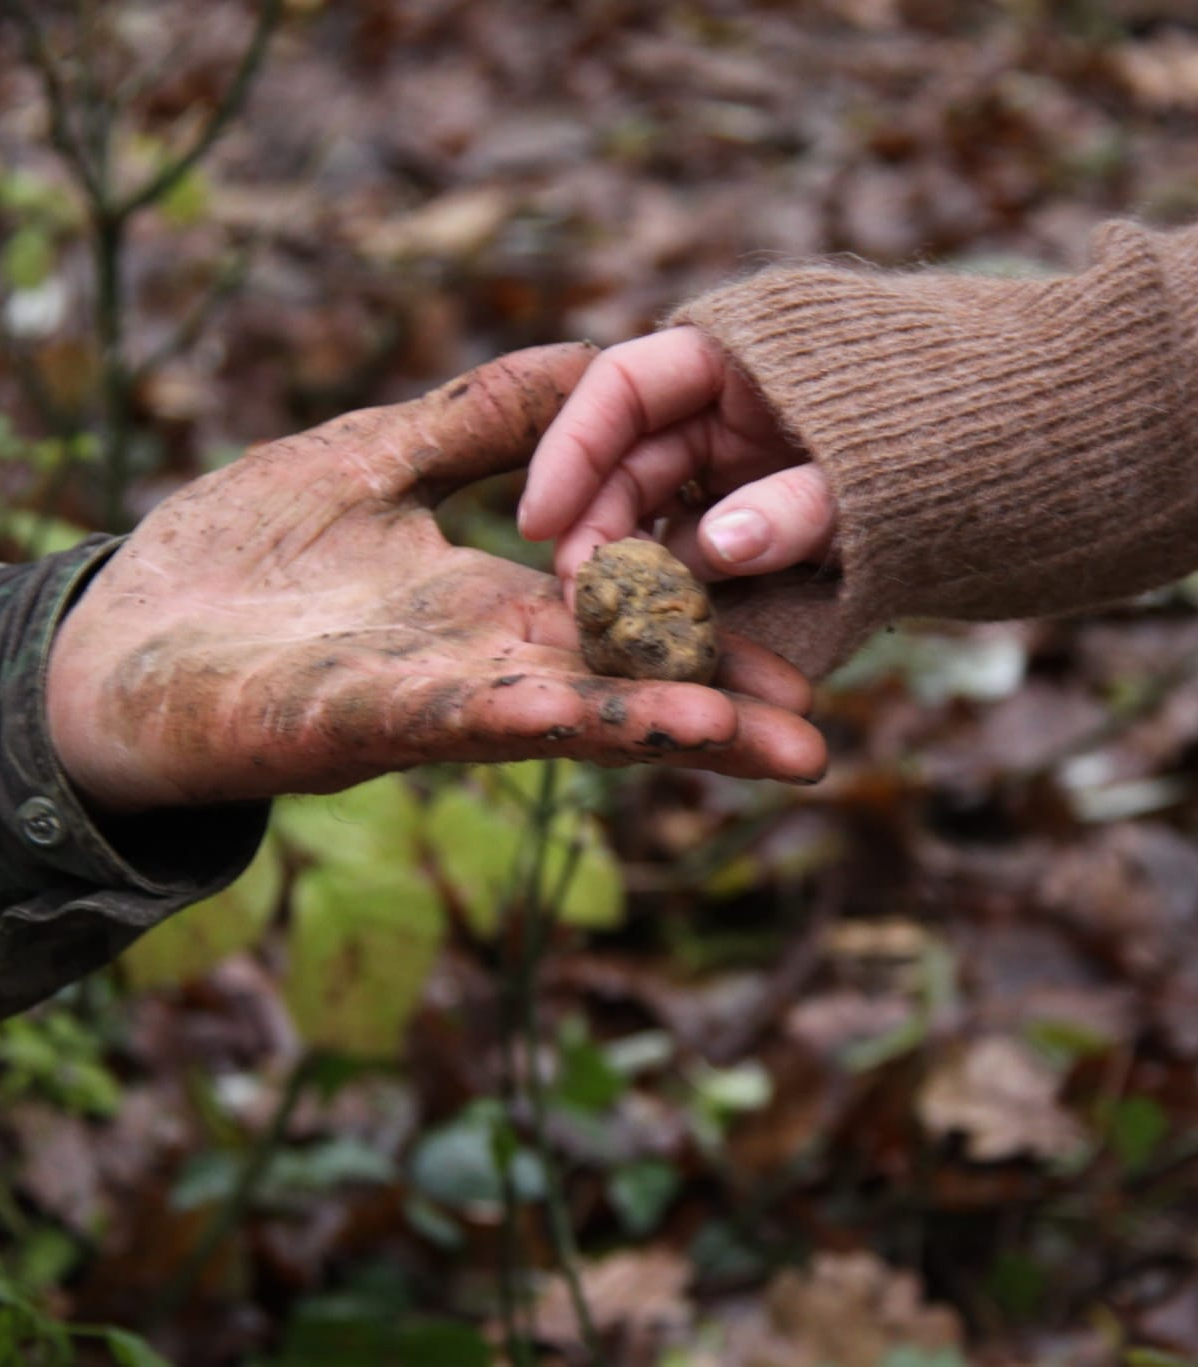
997	448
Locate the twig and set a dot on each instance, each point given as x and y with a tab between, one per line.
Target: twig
98	108
108	249
231	1213
110	215
167	177
538	921
512	1295
61	133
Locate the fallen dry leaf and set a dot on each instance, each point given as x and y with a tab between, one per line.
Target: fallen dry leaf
1003	1099
633	1291
851	1310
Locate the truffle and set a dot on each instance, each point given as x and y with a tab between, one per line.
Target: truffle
641	614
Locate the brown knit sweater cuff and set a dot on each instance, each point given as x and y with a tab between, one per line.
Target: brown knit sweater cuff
996	448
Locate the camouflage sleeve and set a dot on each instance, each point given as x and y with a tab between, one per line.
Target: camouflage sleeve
73	894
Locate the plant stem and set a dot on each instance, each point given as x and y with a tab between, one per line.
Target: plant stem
538	921
88	156
108	243
164	180
232	1212
62	134
512	1294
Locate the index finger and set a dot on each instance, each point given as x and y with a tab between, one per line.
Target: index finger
632	391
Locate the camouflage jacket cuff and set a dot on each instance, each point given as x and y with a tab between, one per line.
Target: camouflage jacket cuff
74	892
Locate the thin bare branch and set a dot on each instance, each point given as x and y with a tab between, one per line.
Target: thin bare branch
168	176
98	106
62	134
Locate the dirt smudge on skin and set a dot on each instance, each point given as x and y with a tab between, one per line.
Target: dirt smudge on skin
613	711
591	687
171	695
660	740
441	707
507	680
350	720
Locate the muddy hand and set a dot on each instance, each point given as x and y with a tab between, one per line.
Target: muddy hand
297	623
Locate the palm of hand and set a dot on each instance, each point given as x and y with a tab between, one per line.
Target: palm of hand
296	622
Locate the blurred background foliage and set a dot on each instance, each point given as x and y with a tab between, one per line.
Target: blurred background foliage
558	1065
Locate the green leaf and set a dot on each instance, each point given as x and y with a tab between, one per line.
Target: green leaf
361	946
642	1052
727	1091
1153	1357
187	201
209	1178
337	1329
1063	1042
27	195
640	1193
595	897
46	1254
206	1178
442	1344
129	1350
356	1325
329	1073
1017	1284
862	1056
586	1077
476	845
47	454
371	826
520	782
458	1165
325	1166
1135	1128
52	1055
721	1253
37	533
477	838
910	1356
431	1223
187	945
27	258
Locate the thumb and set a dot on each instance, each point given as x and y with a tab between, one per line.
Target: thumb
490	419
781	520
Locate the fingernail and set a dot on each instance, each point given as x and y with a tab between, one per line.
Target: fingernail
738	535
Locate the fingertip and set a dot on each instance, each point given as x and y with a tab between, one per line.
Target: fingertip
575	549
776	744
754	670
784	519
736	539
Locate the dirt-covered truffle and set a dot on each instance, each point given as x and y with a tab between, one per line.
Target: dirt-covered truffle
641	614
